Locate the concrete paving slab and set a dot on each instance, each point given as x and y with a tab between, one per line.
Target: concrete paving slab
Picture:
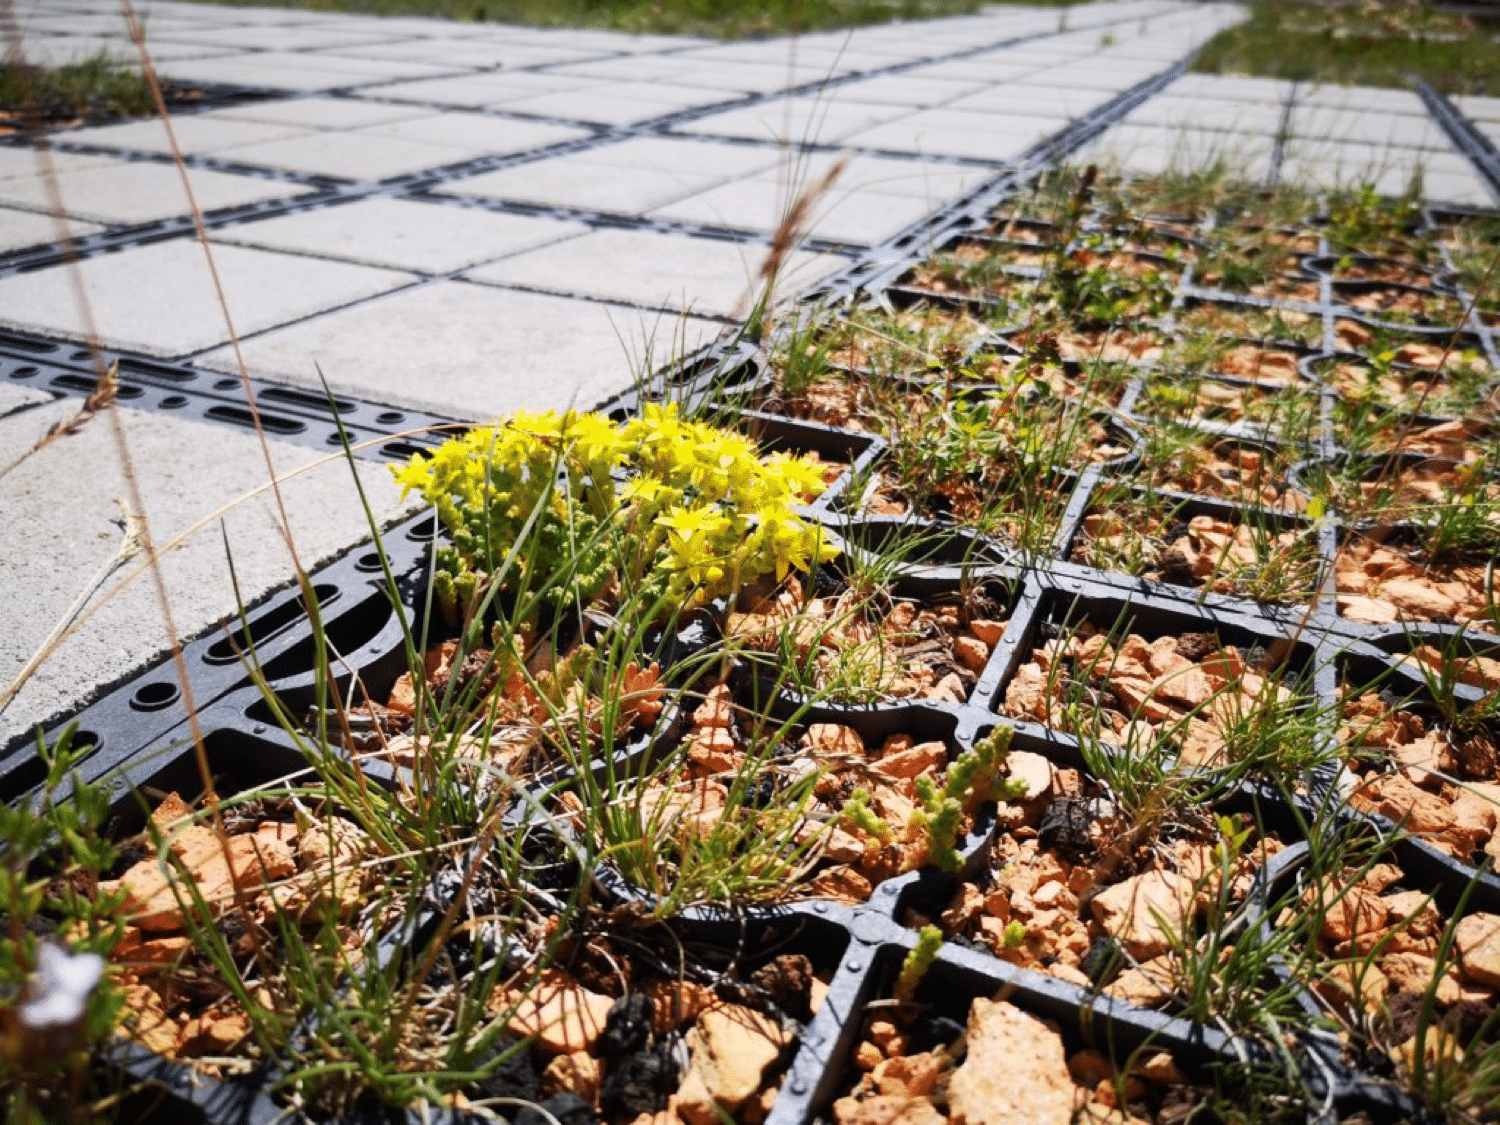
140	192
356	155
245	71
1265	90
856	217
479	133
991	138
1355	156
794	120
23	162
932	181
403	234
14	398
159	299
685	154
474	91
57	51
1393	175
1478	107
318	113
194	133
1368	99
901	90
578	181
1361	126
354	70
272	39
620	104
451	53
627	68
1148	149
732	79
1016	98
1207	113
696	276
473	351
22	229
63	527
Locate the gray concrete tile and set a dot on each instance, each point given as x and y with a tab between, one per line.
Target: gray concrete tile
627	68
1149	150
680	275
501	349
855	217
1478	107
479	133
160	298
15	397
64	526
1365	99
731	79
272	39
20	229
62	50
903	90
469	91
354	70
23	163
1265	90
794	120
1207	113
402	234
194	133
989	138
358	155
685	154
246	71
1025	99
139	192
577	181
1360	126
934	182
599	106
318	113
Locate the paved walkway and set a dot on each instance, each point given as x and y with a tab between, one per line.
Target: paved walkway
470	218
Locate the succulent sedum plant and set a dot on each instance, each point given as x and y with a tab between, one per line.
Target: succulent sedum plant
675	511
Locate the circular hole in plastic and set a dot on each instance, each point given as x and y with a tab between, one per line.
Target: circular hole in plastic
334	439
81	355
23	372
128	391
155	696
226	384
173	402
369	562
386	417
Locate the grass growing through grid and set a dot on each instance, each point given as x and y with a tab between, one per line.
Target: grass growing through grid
1375	44
94	89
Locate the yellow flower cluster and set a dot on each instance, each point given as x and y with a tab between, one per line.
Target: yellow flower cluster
674	508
